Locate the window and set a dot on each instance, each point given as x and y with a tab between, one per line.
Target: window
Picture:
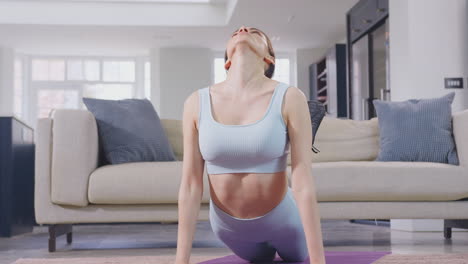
119	71
107	91
281	73
83	70
63	82
49	99
48	70
219	71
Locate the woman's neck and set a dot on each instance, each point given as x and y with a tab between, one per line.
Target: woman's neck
246	70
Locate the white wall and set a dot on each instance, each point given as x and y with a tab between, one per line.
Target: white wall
428	42
181	72
7	60
305	57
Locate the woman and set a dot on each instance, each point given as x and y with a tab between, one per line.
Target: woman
242	128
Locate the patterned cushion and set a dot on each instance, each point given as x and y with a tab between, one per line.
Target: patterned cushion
129	131
317	112
416	130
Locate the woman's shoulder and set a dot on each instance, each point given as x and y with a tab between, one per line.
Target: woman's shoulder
294	93
295	101
192	102
194	96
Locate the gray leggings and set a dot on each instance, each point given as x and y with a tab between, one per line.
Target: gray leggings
258	239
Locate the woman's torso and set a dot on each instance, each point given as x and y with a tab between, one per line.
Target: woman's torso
246	194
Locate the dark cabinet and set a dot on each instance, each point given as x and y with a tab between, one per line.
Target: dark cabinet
16	177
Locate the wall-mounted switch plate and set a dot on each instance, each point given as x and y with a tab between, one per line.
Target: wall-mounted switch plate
454	83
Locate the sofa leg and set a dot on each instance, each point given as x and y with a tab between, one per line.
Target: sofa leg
447	232
58	230
448	223
69	238
453	223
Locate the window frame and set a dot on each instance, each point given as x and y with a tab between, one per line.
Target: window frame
31	98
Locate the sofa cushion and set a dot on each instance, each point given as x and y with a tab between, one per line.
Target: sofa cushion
417	130
173	129
130	130
138	183
346	140
337	139
389	181
158	182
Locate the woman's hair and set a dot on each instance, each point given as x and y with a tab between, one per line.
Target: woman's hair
271	67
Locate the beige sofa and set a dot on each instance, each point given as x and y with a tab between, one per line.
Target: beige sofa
70	188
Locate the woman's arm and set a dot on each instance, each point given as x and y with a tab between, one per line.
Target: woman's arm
191	186
302	181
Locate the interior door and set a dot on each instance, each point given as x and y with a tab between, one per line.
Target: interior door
360	78
368	57
379	66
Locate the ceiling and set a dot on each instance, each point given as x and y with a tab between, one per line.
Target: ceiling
135	26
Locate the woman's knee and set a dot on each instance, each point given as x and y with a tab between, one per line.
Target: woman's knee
291	246
253	252
293	254
299	256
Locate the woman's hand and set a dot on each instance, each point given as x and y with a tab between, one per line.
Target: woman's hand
317	261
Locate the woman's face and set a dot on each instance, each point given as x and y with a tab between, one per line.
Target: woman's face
249	37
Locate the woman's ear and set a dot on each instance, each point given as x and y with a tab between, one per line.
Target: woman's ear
269	59
227	65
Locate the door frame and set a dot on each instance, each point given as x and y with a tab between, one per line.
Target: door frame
349	43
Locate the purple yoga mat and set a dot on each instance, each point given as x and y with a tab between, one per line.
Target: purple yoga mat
332	257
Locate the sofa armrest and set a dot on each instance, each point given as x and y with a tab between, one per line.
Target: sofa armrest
74	155
460	133
43	150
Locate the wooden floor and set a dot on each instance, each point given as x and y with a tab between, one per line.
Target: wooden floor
160	239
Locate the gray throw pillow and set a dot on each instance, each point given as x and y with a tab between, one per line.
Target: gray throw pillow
129	130
417	130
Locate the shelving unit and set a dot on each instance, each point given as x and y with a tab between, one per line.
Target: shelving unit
328	81
321	80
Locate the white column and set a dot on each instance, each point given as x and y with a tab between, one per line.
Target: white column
182	71
7	66
155	79
428	42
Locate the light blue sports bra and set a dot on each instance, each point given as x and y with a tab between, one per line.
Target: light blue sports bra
259	147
